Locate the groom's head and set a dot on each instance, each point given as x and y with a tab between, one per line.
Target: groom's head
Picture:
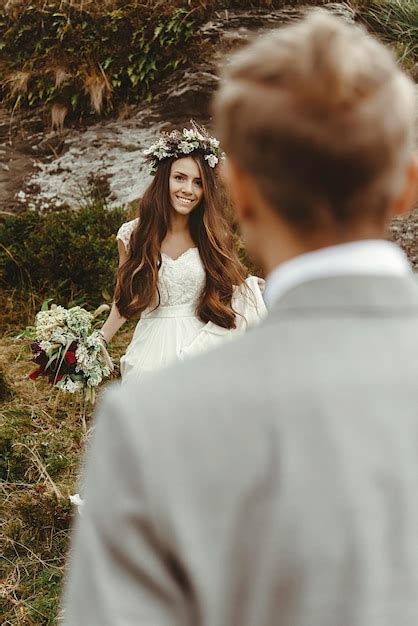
318	123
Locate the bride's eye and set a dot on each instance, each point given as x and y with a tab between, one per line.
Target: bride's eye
177	177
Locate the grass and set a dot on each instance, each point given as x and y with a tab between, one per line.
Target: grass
395	22
41	443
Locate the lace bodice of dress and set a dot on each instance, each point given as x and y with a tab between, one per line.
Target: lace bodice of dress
181	280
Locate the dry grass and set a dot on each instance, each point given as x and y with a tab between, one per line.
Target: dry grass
18	82
58	114
61	75
99	89
42	440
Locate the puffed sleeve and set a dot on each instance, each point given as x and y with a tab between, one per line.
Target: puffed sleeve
248	303
125	231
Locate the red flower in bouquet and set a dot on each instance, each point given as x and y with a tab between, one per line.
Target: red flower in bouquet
66	366
70	357
54	377
35	374
40	359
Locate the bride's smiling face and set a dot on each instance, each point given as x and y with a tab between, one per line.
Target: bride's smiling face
185	185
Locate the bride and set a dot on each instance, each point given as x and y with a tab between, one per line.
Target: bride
178	269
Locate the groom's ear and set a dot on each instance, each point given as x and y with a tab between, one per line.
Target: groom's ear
408	198
241	189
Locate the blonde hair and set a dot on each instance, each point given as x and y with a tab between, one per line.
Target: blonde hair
323	119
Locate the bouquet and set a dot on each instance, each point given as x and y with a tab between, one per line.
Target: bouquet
68	351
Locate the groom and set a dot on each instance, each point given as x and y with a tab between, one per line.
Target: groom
275	481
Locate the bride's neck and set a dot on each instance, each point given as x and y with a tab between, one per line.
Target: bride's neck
179	225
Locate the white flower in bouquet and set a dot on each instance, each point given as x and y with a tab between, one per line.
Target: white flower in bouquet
86	358
90	359
46	346
46	322
70	386
79	321
62	336
96	376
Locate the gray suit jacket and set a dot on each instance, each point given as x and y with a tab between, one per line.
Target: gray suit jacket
273	482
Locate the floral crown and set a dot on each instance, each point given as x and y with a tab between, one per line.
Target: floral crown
180	143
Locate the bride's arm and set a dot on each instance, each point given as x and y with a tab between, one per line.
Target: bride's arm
115	319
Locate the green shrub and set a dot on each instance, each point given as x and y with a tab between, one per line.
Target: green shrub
65	255
79	61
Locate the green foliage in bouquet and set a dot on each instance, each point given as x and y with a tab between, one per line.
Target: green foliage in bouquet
70	256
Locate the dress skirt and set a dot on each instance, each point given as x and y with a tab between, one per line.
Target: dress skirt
173	333
159	338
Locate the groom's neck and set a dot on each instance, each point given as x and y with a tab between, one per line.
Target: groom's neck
282	244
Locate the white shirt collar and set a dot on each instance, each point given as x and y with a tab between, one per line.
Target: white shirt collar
373	257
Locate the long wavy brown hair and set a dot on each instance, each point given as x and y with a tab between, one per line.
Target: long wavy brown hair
137	281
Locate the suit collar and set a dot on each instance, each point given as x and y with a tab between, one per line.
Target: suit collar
362	295
360	258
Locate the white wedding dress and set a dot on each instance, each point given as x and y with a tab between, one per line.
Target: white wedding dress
172	331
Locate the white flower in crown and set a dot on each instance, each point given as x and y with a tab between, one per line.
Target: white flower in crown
159	149
212	160
189	134
185	147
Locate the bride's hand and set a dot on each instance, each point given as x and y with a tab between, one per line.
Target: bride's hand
261	283
105	353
